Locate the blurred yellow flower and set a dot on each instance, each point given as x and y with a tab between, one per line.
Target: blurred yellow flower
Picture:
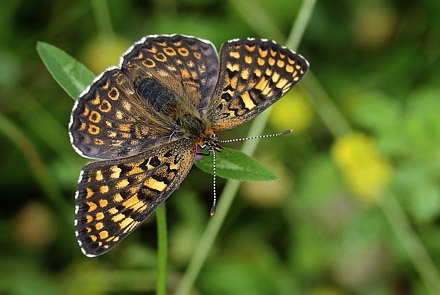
101	53
292	112
366	171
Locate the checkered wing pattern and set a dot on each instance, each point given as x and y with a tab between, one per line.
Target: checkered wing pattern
116	196
108	121
253	74
187	66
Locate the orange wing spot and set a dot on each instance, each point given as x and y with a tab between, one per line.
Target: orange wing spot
262	84
183	51
261	61
248	59
197	55
232	67
125	222
291	61
177	43
248	103
282	56
268	72
154	184
113	211
139	207
266	90
98	175
234	82
97	100
275	77
103	203
280	63
160	57
86	111
113	93
273	53
119	115
140	55
121	184
112	134
194	75
298	67
126	105
245	74
163	44
250	48
89	193
130	202
131	227
89	218
263	53
289	68
93	129
149	63
281	83
185	74
116	172
124	127
92	206
271	61
103	189
99	244
170	51
109	239
89	229
103	235
296	79
257	73
99	225
98	141
135	170
118	198
118	217
95	117
94	238
234	54
99	216
83	126
154	49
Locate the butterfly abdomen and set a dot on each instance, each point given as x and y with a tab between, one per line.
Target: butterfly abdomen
156	94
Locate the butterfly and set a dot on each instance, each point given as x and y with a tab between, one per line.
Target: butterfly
146	119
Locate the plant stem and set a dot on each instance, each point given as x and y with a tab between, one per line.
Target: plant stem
162	249
102	18
230	190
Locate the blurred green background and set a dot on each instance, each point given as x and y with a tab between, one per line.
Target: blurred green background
357	206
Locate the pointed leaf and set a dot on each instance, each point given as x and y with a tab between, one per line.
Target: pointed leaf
70	74
233	164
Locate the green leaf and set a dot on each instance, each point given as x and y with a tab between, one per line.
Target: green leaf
232	164
70	74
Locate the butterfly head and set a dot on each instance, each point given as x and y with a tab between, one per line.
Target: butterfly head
211	144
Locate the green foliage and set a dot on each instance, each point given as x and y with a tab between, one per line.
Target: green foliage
232	164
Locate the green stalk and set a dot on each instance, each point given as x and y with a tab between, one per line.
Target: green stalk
162	249
230	190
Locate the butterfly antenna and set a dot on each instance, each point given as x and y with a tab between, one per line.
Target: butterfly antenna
255	137
214	203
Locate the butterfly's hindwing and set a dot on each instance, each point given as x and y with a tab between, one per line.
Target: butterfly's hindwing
187	66
253	74
115	196
109	122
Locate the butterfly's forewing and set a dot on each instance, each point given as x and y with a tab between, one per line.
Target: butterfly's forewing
186	66
115	196
253	74
107	121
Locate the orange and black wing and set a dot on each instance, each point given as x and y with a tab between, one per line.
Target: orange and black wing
186	66
109	122
116	196
253	74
